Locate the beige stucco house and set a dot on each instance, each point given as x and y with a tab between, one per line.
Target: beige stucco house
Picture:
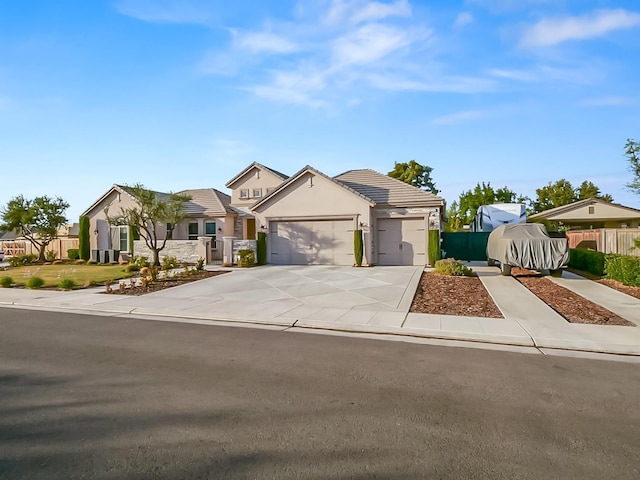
310	217
591	213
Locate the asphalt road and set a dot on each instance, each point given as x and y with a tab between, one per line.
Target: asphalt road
114	398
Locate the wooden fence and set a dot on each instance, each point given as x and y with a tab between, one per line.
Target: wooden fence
12	248
606	240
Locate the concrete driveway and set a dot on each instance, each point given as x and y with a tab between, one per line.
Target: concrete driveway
284	295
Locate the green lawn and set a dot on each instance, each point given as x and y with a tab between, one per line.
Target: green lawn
52	274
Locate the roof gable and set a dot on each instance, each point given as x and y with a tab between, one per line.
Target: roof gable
206	202
115	188
308	169
580	211
253	166
385	190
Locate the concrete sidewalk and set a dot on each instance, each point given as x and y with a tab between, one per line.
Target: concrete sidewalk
366	300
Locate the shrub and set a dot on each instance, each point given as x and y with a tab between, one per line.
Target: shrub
50	255
261	247
140	261
132	267
358	247
435	253
34	282
587	260
83	238
246	258
623	268
67	284
73	254
6	282
20	260
169	262
200	265
452	267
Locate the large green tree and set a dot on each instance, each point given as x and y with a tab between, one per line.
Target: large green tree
152	212
414	174
632	152
37	220
557	194
484	194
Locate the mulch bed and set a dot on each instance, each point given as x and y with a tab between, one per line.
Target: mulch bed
633	291
162	284
448	295
573	307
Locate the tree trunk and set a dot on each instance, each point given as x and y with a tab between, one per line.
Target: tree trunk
41	257
156	258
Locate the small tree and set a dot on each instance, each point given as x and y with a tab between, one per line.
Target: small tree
153	210
37	220
633	156
414	174
560	193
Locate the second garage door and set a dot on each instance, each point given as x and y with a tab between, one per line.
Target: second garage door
312	242
401	241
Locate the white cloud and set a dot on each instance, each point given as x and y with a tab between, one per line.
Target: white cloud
576	74
507	5
370	43
463	19
264	42
552	31
168	11
611	101
453	84
459	117
358	11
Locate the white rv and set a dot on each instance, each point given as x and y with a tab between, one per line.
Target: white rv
489	217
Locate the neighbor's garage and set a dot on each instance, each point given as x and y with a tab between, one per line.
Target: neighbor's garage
311	242
402	241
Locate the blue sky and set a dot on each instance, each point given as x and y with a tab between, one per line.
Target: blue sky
180	94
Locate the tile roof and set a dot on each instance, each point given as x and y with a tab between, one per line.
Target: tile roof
387	191
278	174
207	202
579	204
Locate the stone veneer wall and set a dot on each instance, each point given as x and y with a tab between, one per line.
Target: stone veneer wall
244	245
186	251
237	227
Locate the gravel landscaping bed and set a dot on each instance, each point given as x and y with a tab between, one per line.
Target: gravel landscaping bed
573	307
450	295
161	284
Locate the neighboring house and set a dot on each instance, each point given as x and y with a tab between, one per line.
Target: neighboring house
591	213
209	214
311	219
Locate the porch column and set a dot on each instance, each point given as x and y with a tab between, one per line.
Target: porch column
204	249
227	250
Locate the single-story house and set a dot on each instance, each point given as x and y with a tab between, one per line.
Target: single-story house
591	213
310	217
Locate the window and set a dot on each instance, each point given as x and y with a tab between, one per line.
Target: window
210	231
257	192
269	190
244	193
592	210
124	238
193	231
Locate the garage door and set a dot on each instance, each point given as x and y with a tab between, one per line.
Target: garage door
402	241
317	242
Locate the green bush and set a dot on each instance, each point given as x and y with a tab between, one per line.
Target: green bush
67	284
452	267
261	247
358	247
246	258
132	267
435	253
139	261
50	255
84	238
20	260
73	254
200	265
623	268
169	262
587	260
6	282
34	282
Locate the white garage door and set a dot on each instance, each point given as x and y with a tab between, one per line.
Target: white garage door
402	241
317	242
